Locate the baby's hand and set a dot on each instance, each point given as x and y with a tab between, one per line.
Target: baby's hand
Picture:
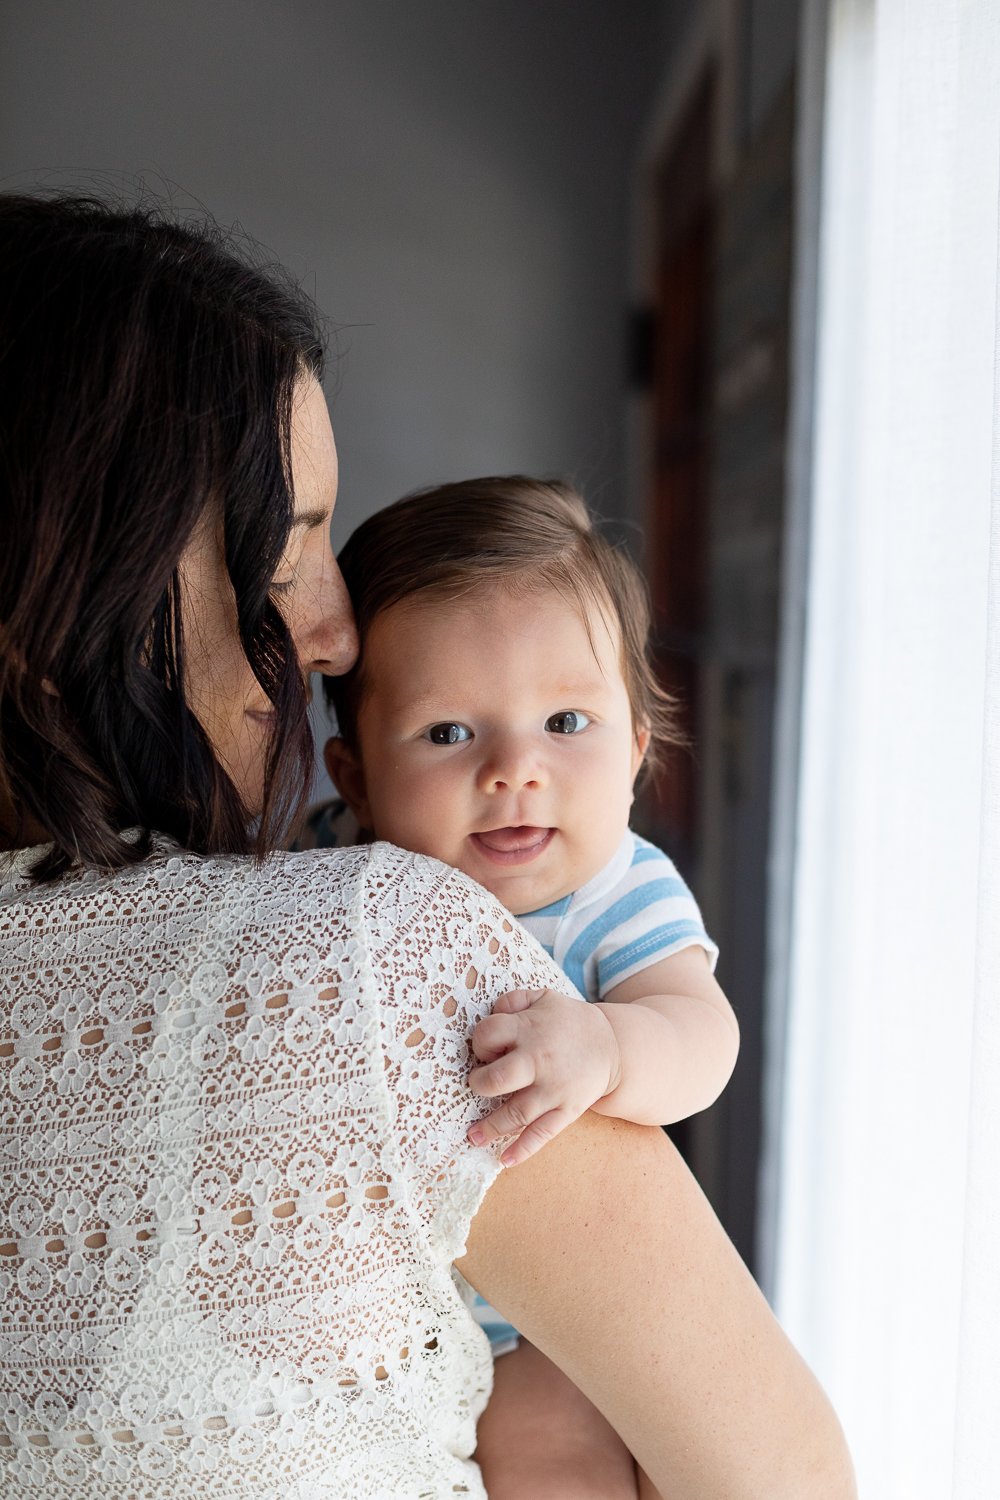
553	1055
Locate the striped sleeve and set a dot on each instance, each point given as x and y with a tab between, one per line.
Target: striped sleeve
651	915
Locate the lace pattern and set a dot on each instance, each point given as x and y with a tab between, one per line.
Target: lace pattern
233	1175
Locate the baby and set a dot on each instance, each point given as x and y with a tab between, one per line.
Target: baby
499	713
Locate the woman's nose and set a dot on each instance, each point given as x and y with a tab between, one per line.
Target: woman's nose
331	642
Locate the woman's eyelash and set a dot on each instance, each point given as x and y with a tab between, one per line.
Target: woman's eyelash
284	587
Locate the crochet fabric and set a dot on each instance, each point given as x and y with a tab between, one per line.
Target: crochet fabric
234	1174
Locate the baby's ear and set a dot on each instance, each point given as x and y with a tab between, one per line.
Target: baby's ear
642	738
345	772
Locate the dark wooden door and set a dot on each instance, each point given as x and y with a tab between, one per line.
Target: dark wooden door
677	508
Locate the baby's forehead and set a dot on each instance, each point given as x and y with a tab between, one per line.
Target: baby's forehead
469	597
426	637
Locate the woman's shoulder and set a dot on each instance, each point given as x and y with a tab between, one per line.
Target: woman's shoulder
391	888
377	886
179	895
370	890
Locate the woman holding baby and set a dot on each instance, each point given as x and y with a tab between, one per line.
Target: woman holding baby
236	1172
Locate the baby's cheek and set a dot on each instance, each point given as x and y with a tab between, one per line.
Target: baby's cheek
420	814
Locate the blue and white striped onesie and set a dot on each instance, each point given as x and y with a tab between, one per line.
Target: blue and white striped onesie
634	912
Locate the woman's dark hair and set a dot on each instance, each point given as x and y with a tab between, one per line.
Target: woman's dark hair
147	371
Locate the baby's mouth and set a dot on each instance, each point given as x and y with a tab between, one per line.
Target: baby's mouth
512	846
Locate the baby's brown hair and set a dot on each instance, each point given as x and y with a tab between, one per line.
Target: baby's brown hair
517	533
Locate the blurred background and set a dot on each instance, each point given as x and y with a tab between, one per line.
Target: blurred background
730	266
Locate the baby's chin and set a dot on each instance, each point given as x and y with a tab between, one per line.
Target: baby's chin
522	894
541	892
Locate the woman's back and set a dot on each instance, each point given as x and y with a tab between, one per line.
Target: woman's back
234	1174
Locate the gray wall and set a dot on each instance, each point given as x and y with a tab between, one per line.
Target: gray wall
449	178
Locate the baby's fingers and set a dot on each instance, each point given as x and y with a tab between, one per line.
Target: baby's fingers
515	1000
514	1070
537	1135
494	1035
523	1115
520	1110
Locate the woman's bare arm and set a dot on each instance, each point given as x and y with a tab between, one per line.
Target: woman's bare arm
604	1252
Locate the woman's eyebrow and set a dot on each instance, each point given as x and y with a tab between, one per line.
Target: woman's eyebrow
310	519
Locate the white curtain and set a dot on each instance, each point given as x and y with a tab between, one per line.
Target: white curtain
884	1163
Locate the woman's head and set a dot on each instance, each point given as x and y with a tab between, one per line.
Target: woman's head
158	413
522	534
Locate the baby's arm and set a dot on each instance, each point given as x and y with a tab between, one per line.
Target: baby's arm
660	1048
677	1038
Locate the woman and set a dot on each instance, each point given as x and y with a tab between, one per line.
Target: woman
234	1167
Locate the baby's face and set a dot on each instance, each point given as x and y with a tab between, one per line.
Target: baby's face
496	735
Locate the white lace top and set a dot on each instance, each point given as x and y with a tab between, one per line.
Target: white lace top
234	1174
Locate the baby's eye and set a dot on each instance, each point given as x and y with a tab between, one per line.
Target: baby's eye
447	734
570	722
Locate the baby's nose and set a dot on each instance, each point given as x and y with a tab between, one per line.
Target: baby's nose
513	767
